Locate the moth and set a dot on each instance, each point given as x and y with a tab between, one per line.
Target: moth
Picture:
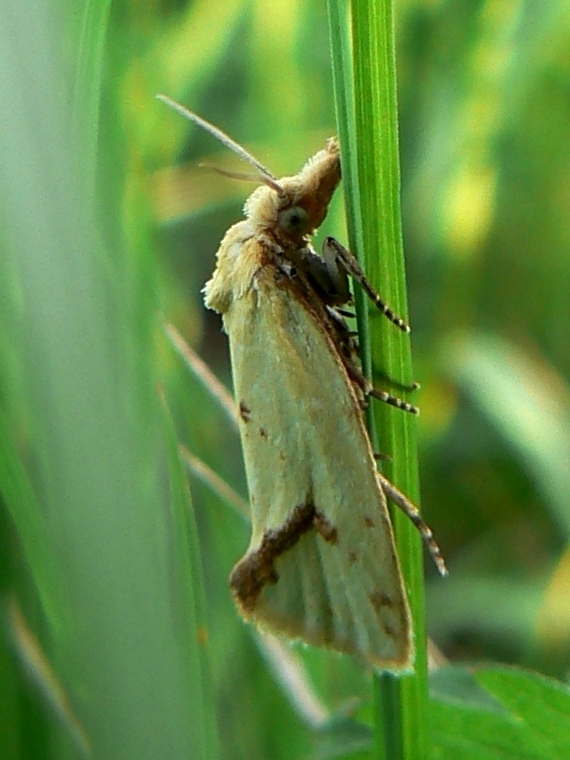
321	565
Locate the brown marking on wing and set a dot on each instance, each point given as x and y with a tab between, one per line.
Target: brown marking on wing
379	599
263	432
257	568
352	557
390	632
244	411
368	521
325	528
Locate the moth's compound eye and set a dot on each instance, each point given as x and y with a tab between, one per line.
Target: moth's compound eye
294	221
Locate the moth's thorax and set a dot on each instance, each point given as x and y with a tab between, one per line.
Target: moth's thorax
291	216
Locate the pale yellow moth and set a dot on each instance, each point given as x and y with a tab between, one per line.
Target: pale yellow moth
321	565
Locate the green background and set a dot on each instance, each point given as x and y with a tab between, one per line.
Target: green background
109	230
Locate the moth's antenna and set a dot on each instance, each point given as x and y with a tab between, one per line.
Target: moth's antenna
243	176
266	175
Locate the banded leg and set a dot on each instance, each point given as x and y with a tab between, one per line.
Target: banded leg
387	398
402	501
333	251
368	389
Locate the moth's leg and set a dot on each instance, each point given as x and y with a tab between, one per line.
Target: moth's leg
348	314
339	258
347	342
347	345
338	317
387	398
384	377
402	501
338	273
330	281
369	390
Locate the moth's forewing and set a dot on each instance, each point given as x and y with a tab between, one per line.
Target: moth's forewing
321	565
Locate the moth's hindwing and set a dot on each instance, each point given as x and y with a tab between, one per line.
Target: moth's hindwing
321	565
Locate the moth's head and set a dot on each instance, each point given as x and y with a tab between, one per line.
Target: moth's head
292	208
288	209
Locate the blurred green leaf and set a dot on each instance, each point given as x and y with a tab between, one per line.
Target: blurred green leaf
93	250
111	586
527	403
494	713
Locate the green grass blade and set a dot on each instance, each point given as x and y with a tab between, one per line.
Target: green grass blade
375	232
111	584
